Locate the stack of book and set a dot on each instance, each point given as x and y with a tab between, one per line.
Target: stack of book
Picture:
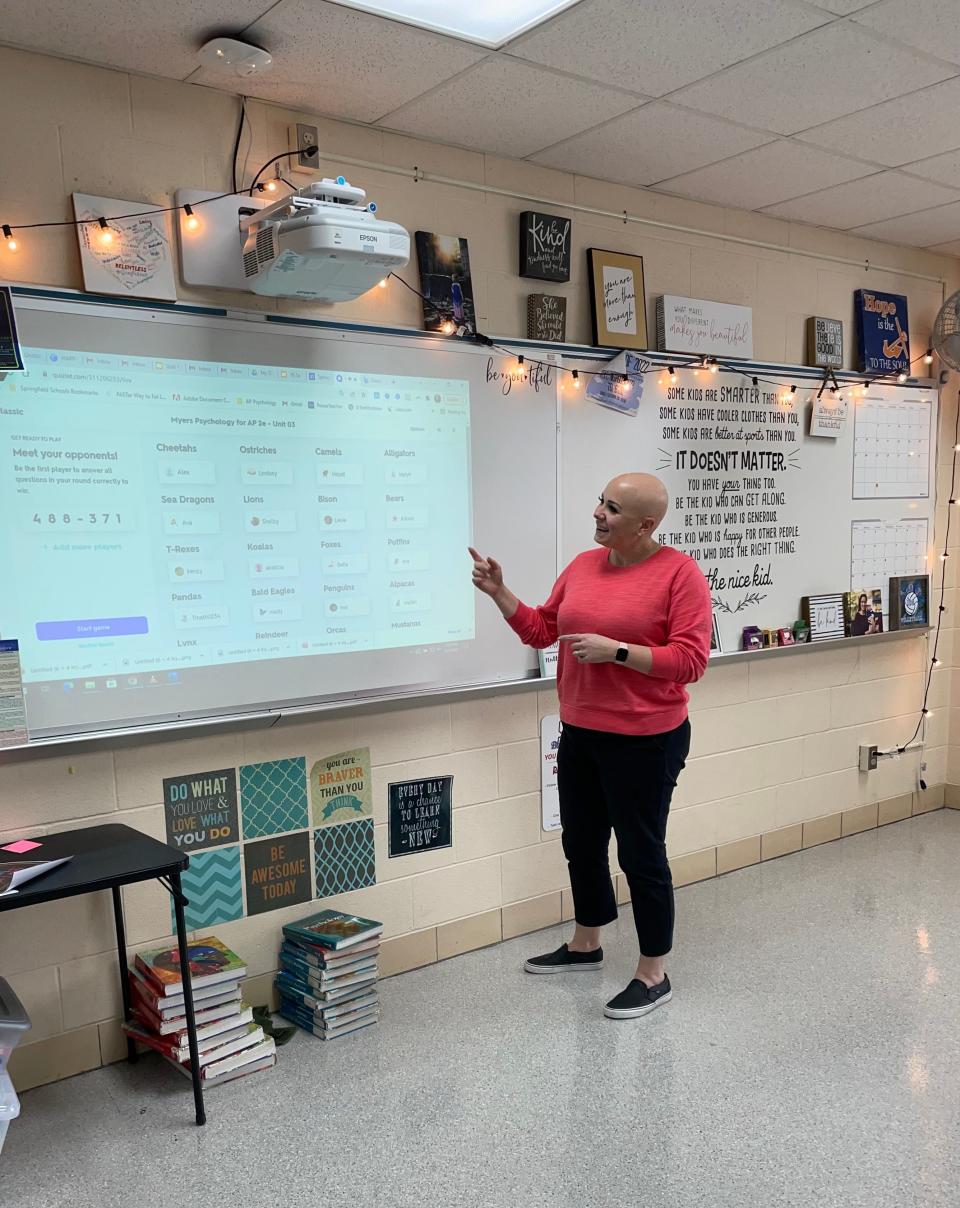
327	979
229	1043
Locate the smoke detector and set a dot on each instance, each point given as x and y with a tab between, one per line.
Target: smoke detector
233	57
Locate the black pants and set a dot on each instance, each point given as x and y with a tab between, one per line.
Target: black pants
623	782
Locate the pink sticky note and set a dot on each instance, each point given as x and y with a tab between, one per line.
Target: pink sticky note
21	846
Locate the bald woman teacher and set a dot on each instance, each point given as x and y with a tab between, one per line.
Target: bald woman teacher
633	619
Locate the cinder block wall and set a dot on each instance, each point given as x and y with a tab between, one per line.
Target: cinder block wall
773	765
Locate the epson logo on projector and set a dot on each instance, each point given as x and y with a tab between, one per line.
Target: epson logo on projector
368	239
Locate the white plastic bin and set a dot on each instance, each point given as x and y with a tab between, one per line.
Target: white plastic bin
9	1106
14	1022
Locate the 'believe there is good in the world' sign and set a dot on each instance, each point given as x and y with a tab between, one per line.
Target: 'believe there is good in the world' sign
420	815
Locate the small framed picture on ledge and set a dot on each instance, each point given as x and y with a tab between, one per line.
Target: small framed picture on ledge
909	601
617	303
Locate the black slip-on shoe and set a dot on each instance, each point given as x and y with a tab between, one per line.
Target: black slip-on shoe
638	999
564	961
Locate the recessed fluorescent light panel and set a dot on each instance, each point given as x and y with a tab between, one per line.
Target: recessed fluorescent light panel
488	23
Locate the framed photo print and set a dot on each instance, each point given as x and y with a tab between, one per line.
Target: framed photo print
909	601
617	299
824	615
715	646
864	612
445	281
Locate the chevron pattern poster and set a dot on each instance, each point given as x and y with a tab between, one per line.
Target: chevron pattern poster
213	887
345	857
273	797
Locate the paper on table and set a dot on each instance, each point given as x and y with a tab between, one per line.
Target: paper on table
14	873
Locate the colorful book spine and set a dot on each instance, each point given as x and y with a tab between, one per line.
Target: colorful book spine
365	996
333	929
209	960
327	957
326	979
205	1027
323	1033
173	1004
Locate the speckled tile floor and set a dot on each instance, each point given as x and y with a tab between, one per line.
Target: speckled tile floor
810	1057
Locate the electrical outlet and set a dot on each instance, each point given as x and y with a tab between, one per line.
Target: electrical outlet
302	135
868	757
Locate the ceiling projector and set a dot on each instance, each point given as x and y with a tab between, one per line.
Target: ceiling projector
321	243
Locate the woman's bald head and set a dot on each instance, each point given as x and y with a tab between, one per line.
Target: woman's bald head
642	496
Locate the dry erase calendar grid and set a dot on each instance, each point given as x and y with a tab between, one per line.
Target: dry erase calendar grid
891	455
880	549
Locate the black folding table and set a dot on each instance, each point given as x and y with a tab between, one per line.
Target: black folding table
108	857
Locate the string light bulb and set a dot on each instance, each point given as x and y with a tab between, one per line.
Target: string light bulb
519	360
714	366
672	372
11	243
273	185
106	235
935	662
191	221
576	379
793	391
901	377
382	283
755	381
928	357
928	713
447	327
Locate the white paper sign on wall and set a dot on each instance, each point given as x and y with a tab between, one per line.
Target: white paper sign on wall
715	329
549	794
828	416
619	300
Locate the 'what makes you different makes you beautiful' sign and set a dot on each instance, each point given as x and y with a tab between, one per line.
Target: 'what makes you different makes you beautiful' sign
716	329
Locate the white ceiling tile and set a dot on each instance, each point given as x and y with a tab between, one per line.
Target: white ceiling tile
947	249
812	79
900	131
929	25
843	8
655	47
765	176
345	63
650	144
926	229
872	199
945	169
509	108
160	39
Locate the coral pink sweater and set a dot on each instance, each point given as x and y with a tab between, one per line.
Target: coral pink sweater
663	603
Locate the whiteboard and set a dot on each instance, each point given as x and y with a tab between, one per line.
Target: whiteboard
211	515
771	513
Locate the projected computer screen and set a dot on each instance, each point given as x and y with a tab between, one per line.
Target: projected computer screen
186	534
